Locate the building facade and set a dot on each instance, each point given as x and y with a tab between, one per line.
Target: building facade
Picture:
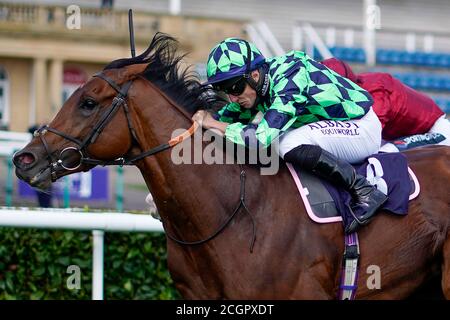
47	51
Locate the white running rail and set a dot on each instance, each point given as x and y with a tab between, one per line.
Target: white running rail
68	220
314	40
264	39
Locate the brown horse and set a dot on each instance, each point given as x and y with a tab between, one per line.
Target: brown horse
135	104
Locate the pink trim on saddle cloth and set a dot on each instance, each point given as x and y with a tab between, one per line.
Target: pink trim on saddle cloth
416	185
304	194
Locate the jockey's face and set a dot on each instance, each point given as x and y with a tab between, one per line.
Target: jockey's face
247	98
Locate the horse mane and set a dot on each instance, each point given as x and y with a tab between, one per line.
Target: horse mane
164	70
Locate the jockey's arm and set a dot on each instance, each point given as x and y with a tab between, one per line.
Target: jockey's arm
206	120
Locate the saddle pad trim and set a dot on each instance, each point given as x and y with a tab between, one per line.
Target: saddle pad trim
304	195
416	184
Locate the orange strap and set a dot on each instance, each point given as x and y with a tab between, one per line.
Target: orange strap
189	132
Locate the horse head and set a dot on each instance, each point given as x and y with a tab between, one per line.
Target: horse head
99	122
89	125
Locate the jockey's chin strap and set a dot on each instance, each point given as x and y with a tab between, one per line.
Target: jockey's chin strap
118	101
262	84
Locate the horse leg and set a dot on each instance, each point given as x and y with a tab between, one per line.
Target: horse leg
446	269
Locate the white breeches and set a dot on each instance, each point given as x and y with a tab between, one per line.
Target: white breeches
352	140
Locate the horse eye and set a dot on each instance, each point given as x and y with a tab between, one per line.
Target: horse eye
88	104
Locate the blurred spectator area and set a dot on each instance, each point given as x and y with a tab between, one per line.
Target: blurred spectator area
107	25
43	59
420	59
40	56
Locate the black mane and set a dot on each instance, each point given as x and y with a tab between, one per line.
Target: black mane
183	86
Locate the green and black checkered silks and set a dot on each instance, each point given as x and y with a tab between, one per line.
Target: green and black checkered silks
228	59
301	91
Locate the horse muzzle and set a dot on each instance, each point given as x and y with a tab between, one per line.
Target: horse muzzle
41	171
30	170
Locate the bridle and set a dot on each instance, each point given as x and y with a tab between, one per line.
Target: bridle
82	145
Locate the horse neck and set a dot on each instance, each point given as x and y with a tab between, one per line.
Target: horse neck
191	197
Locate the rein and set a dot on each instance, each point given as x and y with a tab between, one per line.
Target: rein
226	222
118	101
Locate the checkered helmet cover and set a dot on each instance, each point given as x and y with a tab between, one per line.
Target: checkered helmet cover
228	59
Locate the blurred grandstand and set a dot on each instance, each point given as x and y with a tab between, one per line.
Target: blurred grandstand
42	62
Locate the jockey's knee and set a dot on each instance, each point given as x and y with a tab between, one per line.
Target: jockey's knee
442	126
305	155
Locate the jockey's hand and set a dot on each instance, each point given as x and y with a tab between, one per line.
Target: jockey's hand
206	120
199	116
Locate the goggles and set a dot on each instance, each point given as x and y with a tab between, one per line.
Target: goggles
234	87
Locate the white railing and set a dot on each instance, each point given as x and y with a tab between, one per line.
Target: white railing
256	38
10	141
316	41
69	220
264	39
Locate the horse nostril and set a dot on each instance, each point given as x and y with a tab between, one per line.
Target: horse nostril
24	159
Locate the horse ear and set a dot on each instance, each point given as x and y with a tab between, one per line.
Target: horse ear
135	69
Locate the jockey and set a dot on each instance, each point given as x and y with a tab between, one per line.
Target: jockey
323	121
401	110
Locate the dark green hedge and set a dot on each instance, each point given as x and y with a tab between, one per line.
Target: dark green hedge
33	265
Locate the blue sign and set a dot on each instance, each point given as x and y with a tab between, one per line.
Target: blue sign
91	185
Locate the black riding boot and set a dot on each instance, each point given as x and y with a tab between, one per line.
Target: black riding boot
366	198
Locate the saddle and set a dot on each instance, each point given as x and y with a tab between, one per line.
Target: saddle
327	203
389	172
